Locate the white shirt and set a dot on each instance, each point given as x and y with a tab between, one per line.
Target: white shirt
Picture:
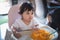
20	24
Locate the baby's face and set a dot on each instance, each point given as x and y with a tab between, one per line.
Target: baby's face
27	15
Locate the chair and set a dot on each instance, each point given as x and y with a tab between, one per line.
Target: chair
12	16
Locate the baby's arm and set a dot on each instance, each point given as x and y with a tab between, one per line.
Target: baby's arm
15	27
16	33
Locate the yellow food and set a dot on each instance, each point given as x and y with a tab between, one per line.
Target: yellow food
41	35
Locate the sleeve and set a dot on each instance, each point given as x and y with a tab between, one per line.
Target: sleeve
15	25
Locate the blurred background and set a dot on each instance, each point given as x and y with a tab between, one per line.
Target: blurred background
43	7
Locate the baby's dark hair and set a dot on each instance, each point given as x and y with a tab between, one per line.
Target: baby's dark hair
25	6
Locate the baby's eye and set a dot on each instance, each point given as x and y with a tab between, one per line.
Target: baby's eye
32	13
27	13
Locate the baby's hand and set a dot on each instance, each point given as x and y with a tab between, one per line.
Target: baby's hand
17	29
17	35
16	32
35	27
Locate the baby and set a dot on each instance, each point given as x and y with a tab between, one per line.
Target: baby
25	23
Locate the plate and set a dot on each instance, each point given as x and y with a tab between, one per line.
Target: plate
51	30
